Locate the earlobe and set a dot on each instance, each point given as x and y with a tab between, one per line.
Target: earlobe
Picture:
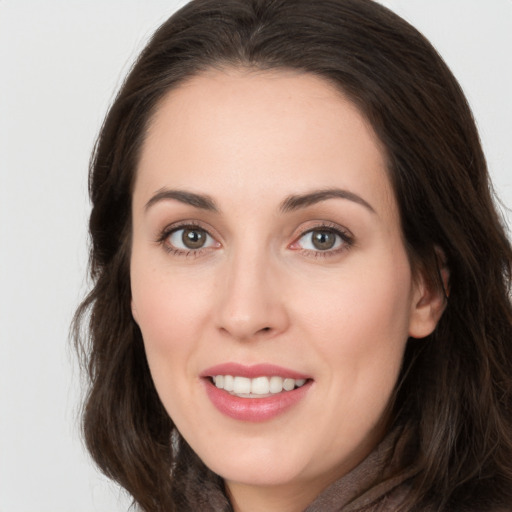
430	300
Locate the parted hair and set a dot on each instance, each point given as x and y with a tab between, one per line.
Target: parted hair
455	388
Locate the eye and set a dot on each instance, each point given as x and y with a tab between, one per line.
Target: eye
323	239
189	238
320	240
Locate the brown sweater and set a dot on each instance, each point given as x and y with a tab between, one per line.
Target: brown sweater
376	485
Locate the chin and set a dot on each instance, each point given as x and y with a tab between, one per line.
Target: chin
256	467
265	476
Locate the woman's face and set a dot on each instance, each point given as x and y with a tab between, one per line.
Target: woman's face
269	277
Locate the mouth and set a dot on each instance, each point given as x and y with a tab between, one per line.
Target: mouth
254	393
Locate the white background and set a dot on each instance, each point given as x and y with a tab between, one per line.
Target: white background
60	63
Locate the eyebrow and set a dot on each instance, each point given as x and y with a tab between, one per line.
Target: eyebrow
297	202
291	203
201	201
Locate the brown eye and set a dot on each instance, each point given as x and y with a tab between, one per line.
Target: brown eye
193	238
323	240
190	238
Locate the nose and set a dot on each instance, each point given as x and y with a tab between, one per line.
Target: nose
251	299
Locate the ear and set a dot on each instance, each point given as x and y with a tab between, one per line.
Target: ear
429	299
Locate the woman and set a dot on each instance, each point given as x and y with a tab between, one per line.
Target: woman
301	295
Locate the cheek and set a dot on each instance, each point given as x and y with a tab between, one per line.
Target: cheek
170	321
361	323
170	315
361	300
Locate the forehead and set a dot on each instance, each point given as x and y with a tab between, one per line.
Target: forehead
264	130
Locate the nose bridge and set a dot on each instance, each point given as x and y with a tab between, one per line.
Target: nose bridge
249	302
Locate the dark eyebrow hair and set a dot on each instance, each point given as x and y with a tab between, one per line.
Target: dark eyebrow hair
296	202
201	201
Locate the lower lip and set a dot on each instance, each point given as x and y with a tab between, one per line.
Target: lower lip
254	409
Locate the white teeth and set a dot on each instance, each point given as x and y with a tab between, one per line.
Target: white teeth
242	385
276	384
260	386
228	382
288	384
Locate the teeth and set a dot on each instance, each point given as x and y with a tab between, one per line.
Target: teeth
242	385
288	384
229	382
260	386
276	384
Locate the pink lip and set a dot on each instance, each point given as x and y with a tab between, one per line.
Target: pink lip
253	409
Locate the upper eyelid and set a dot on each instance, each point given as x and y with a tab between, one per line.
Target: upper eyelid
176	226
326	226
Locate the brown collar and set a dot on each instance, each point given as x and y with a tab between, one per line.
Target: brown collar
378	477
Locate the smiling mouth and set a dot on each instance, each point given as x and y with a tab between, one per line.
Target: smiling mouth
259	387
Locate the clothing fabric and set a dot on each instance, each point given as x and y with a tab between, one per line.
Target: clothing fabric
375	485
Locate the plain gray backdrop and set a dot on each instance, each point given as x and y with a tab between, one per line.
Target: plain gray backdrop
60	64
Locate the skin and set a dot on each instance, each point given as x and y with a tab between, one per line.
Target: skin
259	291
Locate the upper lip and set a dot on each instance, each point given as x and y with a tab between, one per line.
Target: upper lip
252	371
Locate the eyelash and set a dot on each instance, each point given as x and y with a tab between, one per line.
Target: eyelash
345	237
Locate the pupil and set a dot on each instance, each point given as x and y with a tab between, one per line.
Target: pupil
193	238
323	240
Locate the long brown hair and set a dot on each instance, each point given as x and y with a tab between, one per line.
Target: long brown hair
456	385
